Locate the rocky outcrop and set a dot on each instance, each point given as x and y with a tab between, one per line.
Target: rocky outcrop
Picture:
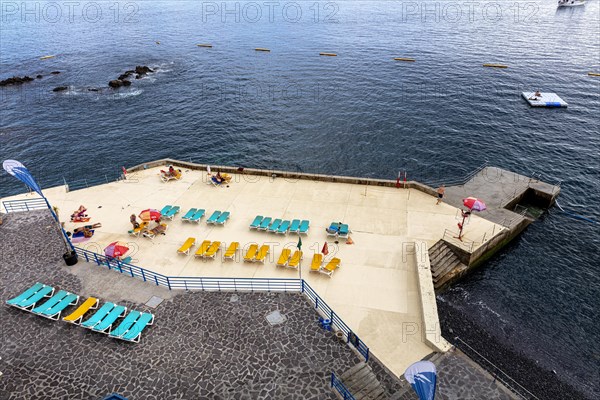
16	80
60	88
116	83
123	80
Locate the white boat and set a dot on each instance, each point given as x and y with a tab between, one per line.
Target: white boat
570	3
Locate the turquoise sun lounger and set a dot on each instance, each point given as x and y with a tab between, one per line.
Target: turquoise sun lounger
264	225
26	294
214	217
125	325
135	332
256	223
344	230
172	212
55	311
165	209
110	319
188	215
223	218
29	302
283	228
295	226
198	215
275	225
304	225
98	315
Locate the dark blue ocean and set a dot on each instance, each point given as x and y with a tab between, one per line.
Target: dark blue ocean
359	113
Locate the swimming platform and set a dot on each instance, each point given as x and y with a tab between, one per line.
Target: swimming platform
383	289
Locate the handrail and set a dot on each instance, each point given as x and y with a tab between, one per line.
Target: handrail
37	203
462	243
230	284
338	385
459	181
504	377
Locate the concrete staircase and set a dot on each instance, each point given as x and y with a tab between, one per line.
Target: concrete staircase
361	381
444	264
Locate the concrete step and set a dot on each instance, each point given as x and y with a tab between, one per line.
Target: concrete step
353	370
449	265
443	263
362	382
443	253
456	271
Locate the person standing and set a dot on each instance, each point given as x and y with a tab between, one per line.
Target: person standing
440	192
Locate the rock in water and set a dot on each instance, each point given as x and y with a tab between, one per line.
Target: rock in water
59	88
115	83
55	72
142	70
15	80
39	76
93	89
126	82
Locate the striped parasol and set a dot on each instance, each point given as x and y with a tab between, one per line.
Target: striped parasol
150	215
116	249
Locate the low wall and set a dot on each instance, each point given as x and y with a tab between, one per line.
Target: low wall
283	174
431	321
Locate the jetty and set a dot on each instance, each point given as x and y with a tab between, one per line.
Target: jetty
403	245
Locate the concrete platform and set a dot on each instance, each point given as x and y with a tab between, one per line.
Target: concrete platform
376	290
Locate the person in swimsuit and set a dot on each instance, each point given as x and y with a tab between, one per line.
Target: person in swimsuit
440	192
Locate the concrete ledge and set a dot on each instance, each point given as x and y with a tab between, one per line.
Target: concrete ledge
283	174
431	325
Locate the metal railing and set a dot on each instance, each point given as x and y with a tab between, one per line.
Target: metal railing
229	284
337	384
498	374
459	181
83	183
24	205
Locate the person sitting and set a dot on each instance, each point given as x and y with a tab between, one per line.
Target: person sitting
79	213
215	180
133	221
172	171
537	93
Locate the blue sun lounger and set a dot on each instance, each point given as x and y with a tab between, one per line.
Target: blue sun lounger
304	225
264	225
198	215
344	231
54	306
275	225
108	321
172	212
29	302
223	218
125	325
283	228
188	215
26	294
214	217
295	226
165	210
256	223
98	315
135	332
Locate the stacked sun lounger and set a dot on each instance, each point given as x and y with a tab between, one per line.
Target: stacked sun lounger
169	213
218	218
257	254
41	300
280	226
329	268
339	230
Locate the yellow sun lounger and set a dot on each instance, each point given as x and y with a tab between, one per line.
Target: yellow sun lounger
212	250
231	251
76	316
317	260
138	230
295	260
187	246
202	249
284	257
331	266
251	253
261	256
